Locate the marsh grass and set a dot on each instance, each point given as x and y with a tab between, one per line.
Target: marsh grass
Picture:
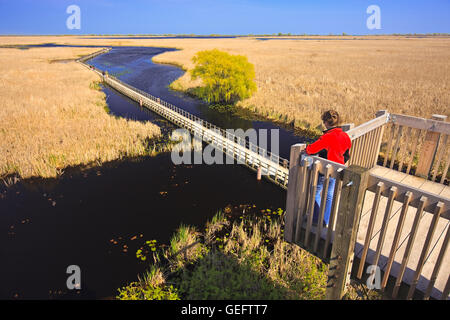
240	255
297	80
54	115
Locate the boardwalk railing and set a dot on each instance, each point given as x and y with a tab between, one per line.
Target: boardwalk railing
93	55
407	144
419	143
366	141
430	212
337	242
271	165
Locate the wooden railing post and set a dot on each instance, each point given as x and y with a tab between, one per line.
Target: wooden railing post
353	190
429	149
292	192
378	137
347	126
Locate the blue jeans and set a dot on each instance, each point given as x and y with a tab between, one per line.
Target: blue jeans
328	203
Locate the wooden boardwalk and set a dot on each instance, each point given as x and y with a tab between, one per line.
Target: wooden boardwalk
436	244
265	163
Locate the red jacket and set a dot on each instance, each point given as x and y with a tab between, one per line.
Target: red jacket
333	145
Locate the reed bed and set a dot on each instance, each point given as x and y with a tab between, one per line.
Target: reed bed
298	79
53	115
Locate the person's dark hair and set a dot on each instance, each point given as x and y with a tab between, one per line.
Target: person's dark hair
331	118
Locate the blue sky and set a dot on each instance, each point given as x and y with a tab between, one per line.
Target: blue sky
223	16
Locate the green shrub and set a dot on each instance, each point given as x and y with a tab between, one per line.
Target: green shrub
240	258
185	247
226	78
138	291
218	276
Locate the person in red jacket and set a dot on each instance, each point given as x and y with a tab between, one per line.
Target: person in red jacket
333	145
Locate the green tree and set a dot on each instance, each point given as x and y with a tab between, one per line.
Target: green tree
226	78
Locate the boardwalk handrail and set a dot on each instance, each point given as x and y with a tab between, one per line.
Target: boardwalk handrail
227	135
416	194
412	144
93	55
366	140
303	176
425	203
271	165
419	145
421	123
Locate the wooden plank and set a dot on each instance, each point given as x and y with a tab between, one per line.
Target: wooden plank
402	154
432	187
395	242
293	185
407	253
365	219
425	249
444	173
364	149
324	163
438	264
355	149
396	176
349	212
393	218
302	194
333	213
372	161
416	251
431	258
413	181
443	147
361	151
395	151
431	125
347	126
367	127
389	146
433	198
428	153
380	134
445	192
380	171
375	149
392	194
369	147
312	193
358	150
447	290
323	203
369	230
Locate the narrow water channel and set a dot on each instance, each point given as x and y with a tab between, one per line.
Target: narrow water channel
134	66
97	218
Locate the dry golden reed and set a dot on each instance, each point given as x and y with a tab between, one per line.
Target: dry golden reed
298	79
52	116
